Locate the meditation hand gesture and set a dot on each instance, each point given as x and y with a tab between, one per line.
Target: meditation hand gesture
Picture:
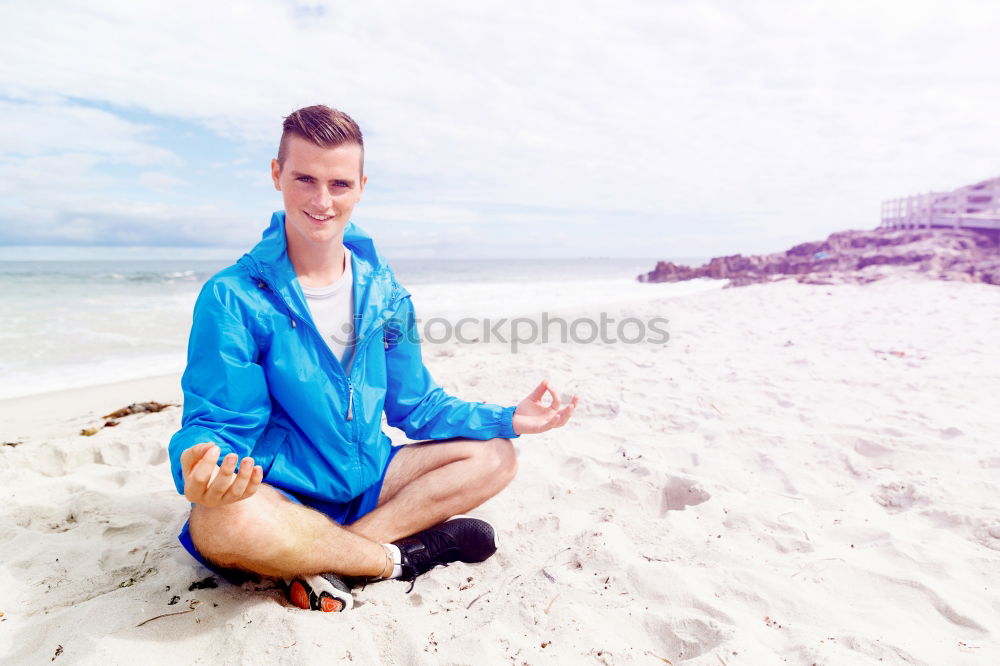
532	416
207	483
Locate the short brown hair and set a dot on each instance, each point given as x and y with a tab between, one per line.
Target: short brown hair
322	126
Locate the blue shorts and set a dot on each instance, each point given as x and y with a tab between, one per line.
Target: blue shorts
343	513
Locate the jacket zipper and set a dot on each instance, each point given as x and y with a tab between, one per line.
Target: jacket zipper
357	348
335	362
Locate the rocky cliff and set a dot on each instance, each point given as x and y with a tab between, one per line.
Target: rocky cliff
856	256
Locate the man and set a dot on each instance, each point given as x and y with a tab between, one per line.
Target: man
296	351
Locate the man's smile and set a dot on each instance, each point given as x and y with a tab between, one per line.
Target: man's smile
318	218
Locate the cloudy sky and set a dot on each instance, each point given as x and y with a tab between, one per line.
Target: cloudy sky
493	129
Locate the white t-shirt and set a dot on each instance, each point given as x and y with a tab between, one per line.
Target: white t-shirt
332	309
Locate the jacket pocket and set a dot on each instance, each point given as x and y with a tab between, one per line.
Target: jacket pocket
267	447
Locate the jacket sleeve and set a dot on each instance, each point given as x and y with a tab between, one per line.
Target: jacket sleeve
226	400
418	406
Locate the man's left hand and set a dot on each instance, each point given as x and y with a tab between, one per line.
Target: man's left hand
533	416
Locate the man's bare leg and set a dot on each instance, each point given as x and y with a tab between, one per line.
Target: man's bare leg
429	482
271	535
425	484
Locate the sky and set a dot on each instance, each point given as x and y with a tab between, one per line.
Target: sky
575	128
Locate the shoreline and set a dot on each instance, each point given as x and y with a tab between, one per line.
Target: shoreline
52	412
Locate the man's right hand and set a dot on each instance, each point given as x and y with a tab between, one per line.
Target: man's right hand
207	483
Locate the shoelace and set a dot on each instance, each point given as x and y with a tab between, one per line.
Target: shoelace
436	545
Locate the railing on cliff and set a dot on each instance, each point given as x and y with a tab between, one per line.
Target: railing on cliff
974	206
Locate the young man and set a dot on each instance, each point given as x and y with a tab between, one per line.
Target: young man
295	353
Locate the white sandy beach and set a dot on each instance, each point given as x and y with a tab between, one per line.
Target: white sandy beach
803	474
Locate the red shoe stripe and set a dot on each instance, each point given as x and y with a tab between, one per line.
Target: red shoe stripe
299	595
328	604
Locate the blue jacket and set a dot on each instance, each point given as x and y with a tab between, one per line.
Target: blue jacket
261	381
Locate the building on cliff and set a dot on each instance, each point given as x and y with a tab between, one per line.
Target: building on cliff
973	206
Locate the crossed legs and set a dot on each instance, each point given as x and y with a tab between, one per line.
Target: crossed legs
425	484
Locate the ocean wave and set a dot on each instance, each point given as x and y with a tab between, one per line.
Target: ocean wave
24	382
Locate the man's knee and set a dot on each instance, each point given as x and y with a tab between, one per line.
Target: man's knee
503	460
222	534
217	531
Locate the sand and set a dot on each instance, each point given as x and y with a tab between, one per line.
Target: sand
802	474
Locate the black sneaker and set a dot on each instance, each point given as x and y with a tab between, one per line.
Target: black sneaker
455	540
322	592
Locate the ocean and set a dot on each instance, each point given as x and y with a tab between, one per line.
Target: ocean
69	324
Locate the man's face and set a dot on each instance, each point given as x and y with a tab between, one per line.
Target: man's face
320	187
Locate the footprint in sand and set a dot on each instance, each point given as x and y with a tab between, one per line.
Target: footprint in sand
583	470
128	531
679	493
604	409
779	400
121	453
870	449
64	525
685	637
951	433
896	496
983	532
44	519
603	514
989	536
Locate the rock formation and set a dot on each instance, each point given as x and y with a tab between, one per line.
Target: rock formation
858	257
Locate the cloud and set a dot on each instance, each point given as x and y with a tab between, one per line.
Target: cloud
765	121
159	182
124	223
33	128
